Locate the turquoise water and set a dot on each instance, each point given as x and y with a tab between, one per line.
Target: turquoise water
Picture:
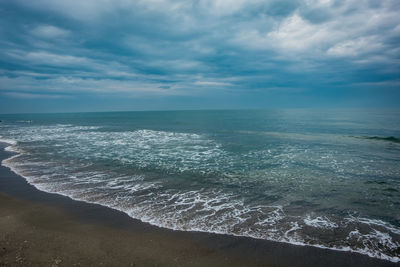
327	178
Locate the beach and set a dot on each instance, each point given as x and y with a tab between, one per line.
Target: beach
43	229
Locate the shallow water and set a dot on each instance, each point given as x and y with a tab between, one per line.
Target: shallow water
327	178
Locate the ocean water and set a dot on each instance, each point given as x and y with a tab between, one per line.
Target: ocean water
325	178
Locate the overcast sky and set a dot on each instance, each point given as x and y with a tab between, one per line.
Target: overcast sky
92	55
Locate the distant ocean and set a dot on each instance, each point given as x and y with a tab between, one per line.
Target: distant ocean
325	178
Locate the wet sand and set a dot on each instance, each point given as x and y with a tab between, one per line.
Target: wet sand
43	229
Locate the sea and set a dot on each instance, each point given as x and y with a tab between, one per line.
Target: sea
327	178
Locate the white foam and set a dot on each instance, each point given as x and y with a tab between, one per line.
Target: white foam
320	222
8	141
11	148
376	239
167	150
290	236
387	226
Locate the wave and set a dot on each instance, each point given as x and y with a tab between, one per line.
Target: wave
8	141
381	138
320	222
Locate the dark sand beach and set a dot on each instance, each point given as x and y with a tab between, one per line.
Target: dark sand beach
42	229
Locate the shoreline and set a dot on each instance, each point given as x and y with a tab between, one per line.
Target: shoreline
126	237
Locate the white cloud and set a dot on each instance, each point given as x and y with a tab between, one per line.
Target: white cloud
351	48
352	29
212	83
296	34
314	3
42	57
226	7
48	58
49	31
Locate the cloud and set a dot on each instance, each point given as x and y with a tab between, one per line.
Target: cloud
381	84
82	10
348	30
46	58
294	34
143	47
33	96
360	46
49	31
75	84
212	83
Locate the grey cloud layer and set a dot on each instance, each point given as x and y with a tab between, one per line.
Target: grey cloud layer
159	47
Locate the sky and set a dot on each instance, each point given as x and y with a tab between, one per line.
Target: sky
103	55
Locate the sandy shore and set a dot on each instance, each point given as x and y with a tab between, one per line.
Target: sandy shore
38	235
42	229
